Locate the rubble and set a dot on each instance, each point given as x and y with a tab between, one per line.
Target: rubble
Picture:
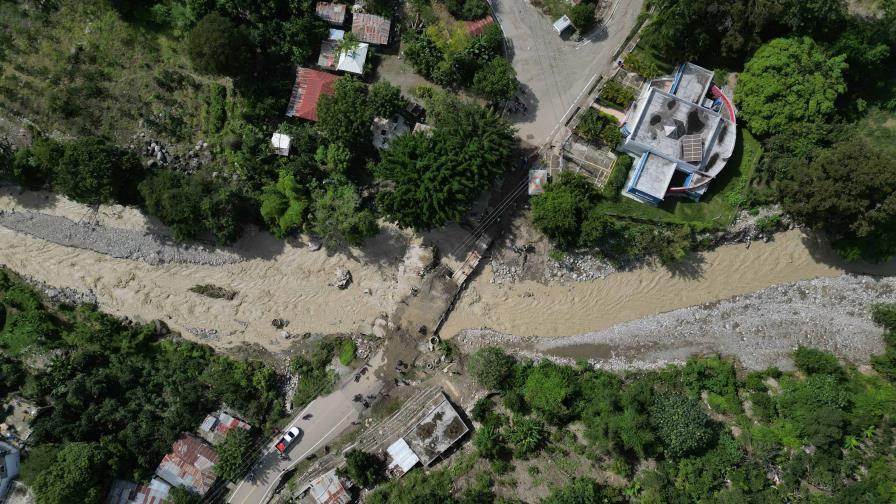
343	278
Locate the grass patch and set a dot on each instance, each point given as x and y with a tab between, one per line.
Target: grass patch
81	68
879	127
718	206
554	9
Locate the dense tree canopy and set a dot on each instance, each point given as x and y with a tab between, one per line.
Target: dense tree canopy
338	219
365	469
491	368
849	191
93	171
76	476
345	117
217	46
433	178
496	81
285	205
789	81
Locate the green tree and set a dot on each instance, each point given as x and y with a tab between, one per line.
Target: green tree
814	17
176	200
434	178
337	217
789	81
77	476
492	368
582	17
365	469
496	81
335	158
233	454
345	117
33	166
549	390
216	45
849	192
812	361
385	99
93	171
681	424
560	210
284	205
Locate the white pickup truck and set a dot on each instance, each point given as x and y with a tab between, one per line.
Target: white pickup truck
288	439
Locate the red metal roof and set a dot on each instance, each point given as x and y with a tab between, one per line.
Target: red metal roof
310	84
371	29
475	28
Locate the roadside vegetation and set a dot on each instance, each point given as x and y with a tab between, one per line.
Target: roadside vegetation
114	397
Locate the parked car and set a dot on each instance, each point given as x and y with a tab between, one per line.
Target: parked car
288	439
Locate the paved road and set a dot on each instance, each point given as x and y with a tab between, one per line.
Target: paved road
331	414
554	71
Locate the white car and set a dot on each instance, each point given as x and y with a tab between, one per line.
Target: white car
288	439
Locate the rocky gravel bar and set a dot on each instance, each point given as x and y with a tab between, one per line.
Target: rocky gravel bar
760	329
120	243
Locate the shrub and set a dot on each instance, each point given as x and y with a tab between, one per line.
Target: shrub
599	127
92	171
646	69
812	361
233	453
482	410
214	291
616	182
885	315
616	94
492	368
681	424
347	352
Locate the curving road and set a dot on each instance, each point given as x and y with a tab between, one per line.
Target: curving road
554	72
330	415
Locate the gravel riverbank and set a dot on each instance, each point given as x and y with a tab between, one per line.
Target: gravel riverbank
759	329
115	242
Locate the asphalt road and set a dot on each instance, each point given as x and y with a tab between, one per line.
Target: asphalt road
554	71
331	415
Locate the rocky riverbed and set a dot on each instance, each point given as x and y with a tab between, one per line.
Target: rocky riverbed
759	329
115	242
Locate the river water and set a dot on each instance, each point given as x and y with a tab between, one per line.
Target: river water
533	309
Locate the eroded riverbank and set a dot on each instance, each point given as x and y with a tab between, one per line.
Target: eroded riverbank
530	308
759	329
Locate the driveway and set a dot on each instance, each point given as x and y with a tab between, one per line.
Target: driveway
330	415
552	71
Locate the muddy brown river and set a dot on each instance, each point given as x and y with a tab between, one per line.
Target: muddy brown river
533	309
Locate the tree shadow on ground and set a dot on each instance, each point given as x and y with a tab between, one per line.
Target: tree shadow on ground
523	107
691	267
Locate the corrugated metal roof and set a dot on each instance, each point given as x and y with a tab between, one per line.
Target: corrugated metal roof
402	457
371	29
328	489
331	12
190	464
126	492
310	85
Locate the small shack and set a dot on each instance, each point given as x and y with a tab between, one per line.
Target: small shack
309	86
216	426
280	143
327	489
371	29
385	130
191	465
127	492
331	12
401	459
562	24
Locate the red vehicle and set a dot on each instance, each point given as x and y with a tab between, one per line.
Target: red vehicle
288	439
